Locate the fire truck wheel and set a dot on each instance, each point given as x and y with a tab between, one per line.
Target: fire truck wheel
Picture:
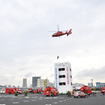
9	92
78	96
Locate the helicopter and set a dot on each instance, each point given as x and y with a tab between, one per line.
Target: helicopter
60	33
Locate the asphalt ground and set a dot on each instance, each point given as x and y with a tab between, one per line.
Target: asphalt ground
40	99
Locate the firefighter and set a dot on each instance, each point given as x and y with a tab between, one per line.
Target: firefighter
69	94
94	93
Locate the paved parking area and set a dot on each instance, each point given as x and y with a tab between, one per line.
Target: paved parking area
39	99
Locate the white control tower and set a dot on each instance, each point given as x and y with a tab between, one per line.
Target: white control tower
63	77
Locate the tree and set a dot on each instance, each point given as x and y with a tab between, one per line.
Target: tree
45	82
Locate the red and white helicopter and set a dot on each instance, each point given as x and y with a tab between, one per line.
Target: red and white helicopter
60	33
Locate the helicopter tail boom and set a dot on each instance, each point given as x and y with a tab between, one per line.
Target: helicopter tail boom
69	32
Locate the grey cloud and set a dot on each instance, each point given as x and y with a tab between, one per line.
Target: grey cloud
52	75
22	69
92	73
30	74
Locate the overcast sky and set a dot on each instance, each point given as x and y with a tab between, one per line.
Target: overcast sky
28	49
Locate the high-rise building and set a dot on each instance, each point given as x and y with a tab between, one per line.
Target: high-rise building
24	82
63	77
40	83
90	84
100	85
34	81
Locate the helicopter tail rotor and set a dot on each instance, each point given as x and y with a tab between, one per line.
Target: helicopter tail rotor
69	32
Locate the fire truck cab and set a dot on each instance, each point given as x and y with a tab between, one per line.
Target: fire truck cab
103	90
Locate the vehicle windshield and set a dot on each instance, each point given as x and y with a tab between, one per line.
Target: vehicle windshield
77	92
82	92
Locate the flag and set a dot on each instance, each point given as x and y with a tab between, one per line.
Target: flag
57	57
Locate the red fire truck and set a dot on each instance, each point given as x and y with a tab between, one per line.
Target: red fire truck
13	90
103	90
51	91
38	90
30	90
86	90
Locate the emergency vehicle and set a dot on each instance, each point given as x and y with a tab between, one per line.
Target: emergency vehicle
51	91
103	90
13	90
86	90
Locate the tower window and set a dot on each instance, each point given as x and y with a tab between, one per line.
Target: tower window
61	69
61	76
62	83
